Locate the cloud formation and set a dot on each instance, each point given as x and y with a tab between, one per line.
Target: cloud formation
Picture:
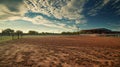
64	14
70	10
55	23
10	8
99	4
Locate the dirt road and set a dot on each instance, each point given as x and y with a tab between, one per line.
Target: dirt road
61	51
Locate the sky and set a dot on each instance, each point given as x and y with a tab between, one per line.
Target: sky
59	15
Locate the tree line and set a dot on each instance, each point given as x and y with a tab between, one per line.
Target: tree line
20	33
12	33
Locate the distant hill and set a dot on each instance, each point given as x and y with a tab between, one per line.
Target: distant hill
99	31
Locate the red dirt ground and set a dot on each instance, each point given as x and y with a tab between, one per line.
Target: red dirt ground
61	51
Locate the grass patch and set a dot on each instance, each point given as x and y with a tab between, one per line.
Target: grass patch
6	38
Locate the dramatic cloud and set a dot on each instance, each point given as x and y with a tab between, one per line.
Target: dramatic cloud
49	23
67	9
118	12
116	5
63	14
10	8
46	21
99	4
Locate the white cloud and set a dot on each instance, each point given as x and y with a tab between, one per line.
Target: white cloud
42	21
0	31
58	8
69	9
115	1
99	5
39	20
118	12
11	9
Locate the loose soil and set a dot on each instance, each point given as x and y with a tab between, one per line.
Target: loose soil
61	51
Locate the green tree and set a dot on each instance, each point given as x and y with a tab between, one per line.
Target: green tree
8	32
33	33
19	33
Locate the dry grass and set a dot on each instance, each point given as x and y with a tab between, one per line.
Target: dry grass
61	51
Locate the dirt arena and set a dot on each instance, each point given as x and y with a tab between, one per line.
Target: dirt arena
61	51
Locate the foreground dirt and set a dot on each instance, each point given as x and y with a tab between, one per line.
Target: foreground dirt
61	51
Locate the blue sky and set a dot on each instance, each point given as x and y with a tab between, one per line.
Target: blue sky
59	15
